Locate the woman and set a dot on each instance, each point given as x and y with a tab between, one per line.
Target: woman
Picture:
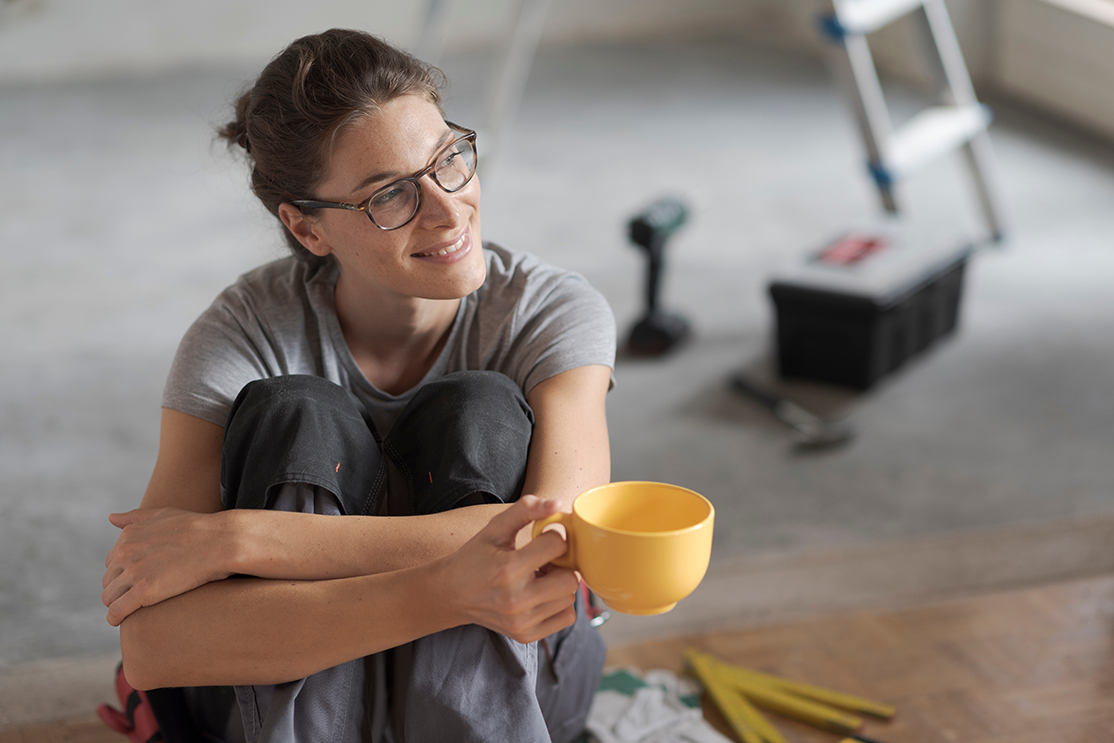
398	373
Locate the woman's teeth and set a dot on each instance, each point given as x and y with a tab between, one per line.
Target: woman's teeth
452	248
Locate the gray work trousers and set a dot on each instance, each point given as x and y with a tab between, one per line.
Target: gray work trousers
462	440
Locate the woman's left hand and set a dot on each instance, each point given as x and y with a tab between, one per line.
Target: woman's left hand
161	553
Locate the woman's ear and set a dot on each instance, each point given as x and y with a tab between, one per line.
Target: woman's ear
307	231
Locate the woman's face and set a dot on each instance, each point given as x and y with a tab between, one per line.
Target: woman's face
417	259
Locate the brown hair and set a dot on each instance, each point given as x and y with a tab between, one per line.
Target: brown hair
309	94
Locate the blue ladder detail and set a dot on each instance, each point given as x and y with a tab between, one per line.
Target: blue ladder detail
831	28
883	177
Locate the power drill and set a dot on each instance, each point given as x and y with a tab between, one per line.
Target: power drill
658	331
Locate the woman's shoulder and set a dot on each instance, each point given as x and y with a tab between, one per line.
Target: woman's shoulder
255	328
517	273
531	320
503	263
276	286
521	288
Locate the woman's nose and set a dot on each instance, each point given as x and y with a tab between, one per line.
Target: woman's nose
439	207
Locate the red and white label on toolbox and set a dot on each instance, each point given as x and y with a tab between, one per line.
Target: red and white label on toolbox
875	262
852	249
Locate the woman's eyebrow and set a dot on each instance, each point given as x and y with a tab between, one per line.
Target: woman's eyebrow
441	142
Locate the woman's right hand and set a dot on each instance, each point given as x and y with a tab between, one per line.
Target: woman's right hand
516	593
161	553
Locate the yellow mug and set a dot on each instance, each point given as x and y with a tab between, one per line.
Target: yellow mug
640	546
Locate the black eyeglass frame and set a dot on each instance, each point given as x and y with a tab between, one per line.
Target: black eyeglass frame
468	135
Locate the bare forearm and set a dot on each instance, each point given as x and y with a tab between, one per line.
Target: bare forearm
251	631
299	546
254	631
162	553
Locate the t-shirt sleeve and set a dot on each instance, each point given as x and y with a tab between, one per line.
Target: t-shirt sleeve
223	350
561	322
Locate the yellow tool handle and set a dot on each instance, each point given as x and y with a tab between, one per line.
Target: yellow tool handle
816	693
765	695
798	708
747	722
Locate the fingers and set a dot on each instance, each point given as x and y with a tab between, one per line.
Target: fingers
119	610
565	617
111	594
546	547
504	528
547	608
120	520
545	620
558	584
111	556
115	585
124	595
120	596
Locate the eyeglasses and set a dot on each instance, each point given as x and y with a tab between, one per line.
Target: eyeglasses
395	204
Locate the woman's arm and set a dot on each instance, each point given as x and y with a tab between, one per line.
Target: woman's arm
227	632
179	538
569	452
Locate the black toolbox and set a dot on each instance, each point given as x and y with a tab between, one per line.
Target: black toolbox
866	303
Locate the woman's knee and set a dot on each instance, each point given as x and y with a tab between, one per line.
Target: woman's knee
296	393
475	396
462	439
299	429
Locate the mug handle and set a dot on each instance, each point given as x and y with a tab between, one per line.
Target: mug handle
567	560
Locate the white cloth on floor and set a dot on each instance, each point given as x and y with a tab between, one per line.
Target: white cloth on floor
655	707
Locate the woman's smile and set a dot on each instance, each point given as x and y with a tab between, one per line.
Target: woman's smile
457	250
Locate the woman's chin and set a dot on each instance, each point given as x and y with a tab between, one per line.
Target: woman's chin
465	277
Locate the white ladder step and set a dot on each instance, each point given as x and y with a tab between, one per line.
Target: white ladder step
932	133
958	124
867	16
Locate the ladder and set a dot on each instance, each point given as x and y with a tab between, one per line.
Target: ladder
958	121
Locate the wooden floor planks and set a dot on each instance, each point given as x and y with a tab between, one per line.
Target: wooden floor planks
1030	665
1026	666
80	731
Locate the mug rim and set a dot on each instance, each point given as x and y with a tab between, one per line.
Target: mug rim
703	522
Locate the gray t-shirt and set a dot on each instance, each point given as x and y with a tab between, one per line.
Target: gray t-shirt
528	320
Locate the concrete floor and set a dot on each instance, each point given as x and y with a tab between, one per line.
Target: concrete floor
121	221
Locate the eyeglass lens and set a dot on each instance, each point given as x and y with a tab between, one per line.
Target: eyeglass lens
395	204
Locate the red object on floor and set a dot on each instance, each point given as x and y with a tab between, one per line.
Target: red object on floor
137	721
